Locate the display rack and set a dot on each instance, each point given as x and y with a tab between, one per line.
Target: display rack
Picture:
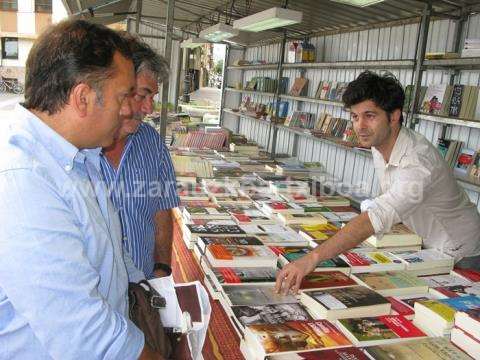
418	66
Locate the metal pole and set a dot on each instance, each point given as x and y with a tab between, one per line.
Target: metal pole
186	75
167	53
276	98
139	16
422	45
226	60
177	78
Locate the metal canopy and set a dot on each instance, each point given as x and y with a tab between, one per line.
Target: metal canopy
319	16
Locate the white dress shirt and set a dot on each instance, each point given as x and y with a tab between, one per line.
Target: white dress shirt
418	188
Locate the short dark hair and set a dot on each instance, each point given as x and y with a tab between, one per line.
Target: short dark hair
66	54
145	58
384	90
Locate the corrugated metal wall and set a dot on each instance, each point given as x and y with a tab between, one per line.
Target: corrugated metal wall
158	45
353	168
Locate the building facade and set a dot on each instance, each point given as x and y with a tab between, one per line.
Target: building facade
21	21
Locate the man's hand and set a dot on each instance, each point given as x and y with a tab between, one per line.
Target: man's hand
291	276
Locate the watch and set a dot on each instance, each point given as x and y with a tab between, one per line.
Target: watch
164	267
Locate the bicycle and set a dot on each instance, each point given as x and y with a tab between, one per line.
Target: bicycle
10	85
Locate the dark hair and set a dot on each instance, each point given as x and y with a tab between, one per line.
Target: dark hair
66	54
384	90
145	58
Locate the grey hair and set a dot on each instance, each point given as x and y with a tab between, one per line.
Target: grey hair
145	59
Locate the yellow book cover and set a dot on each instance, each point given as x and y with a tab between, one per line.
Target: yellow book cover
445	311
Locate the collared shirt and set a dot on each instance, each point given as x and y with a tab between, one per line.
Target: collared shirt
63	278
418	188
143	184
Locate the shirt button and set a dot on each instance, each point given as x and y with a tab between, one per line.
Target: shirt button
68	167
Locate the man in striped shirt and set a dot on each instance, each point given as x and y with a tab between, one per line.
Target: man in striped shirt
139	172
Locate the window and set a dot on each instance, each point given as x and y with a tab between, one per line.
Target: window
43	6
9	48
9	5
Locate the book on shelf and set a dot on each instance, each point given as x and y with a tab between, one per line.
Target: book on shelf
322	90
299	87
346	353
255	294
464	160
332	91
276	207
290	254
465	342
456	101
242	276
320	280
392	283
333	200
270	314
302	219
192	231
445	292
289	186
399	235
293	336
434	98
379	330
449	149
339	216
283	239
467	274
205	212
426	261
436	348
468	321
313	207
204	241
220	255
404	305
267	229
300	197
474	169
451	279
346	302
319	232
436	317
374	261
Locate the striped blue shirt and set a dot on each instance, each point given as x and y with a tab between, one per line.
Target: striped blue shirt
143	184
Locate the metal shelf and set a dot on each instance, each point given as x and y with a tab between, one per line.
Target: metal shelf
254	67
250	92
448	121
312	100
375	64
467	183
463	63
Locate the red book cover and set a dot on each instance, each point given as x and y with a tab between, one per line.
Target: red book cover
230	276
401	326
470	274
278	205
356	259
326	279
400	308
242	218
277	250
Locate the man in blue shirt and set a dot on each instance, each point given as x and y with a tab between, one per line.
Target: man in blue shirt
63	273
139	171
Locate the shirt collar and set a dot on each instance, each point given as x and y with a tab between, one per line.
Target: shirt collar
398	151
63	151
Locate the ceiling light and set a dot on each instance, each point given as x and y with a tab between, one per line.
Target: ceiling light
193	43
359	3
218	32
268	19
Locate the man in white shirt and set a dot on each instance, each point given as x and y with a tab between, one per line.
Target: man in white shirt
417	186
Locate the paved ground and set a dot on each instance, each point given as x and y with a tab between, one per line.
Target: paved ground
211	95
8	101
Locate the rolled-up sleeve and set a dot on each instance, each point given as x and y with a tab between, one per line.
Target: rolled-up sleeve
409	187
49	278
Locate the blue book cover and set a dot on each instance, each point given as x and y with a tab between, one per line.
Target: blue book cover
463	303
